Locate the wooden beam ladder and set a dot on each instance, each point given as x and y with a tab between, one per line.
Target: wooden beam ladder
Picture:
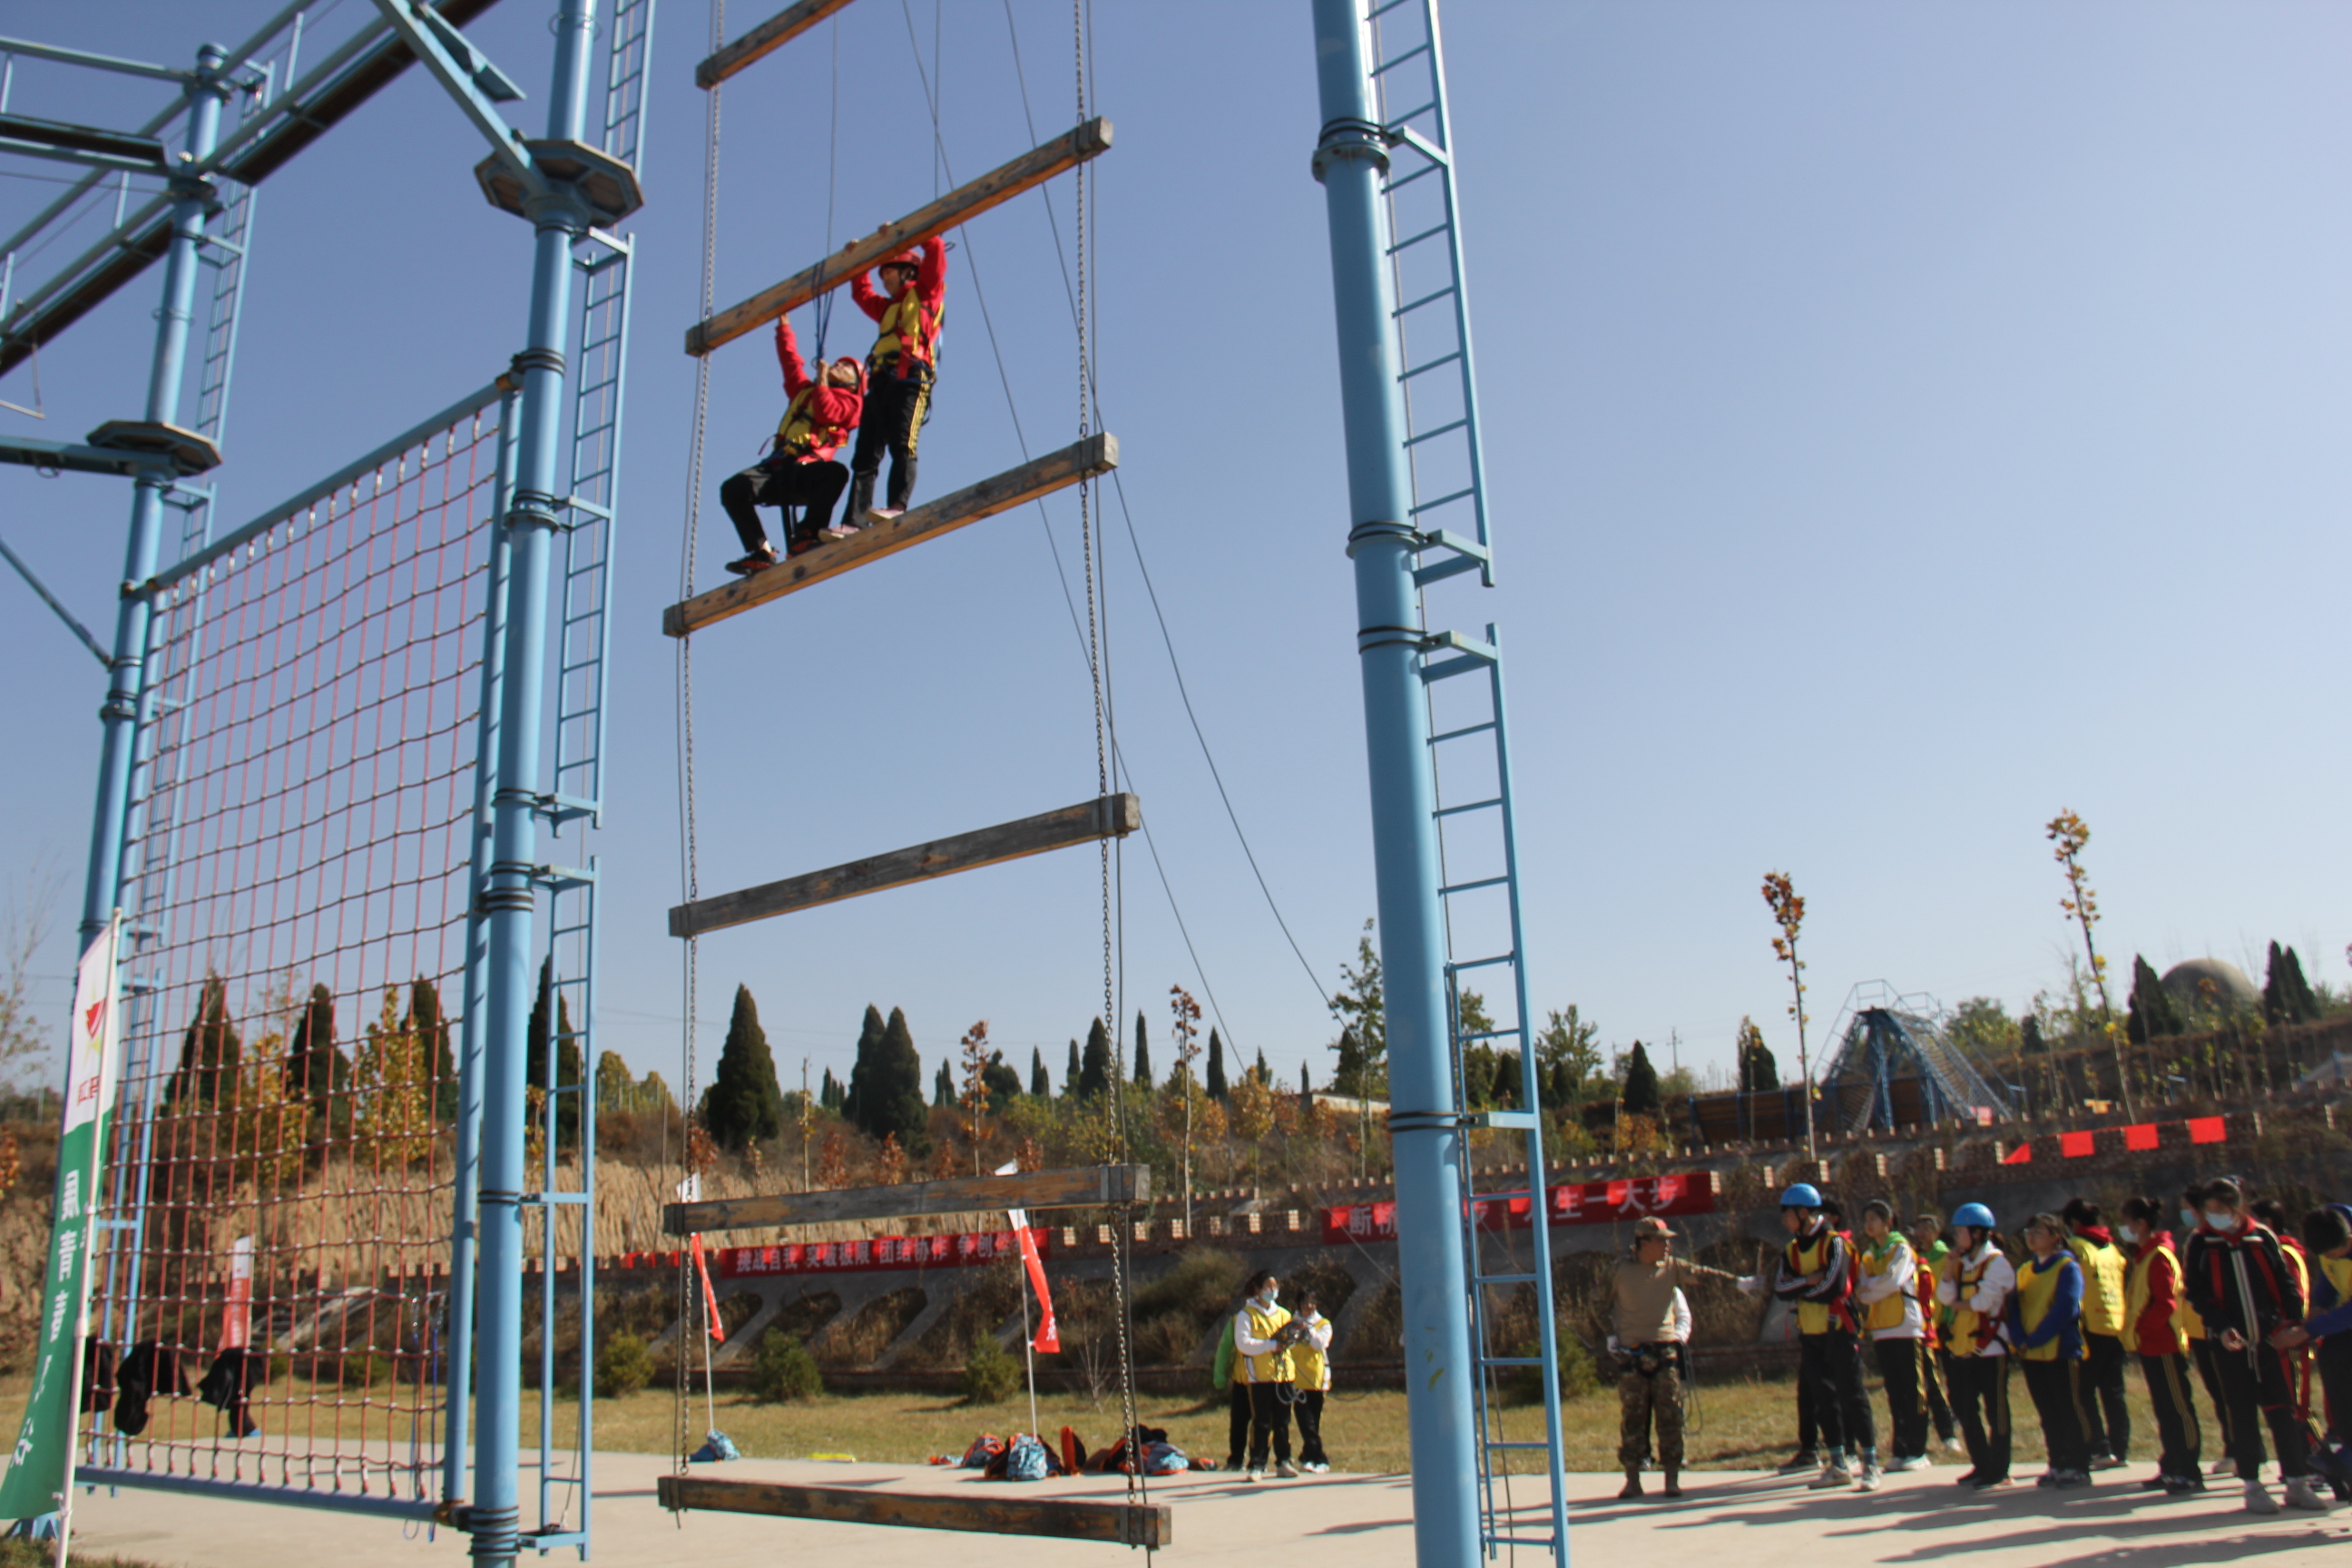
1085	459
1108	816
764	40
964	203
1074	1519
1088	1186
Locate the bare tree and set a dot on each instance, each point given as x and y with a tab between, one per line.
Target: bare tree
975	1082
25	1036
1185	1028
1789	913
2070	833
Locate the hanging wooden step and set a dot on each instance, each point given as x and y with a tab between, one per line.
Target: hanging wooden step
1086	459
764	40
964	203
1088	1186
1109	816
1072	1519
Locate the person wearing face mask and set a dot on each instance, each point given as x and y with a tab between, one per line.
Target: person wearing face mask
1975	1287
2107	1419
1885	1295
2327	1241
2242	1287
2202	1349
1310	1360
2152	1329
2045	1326
1264	1361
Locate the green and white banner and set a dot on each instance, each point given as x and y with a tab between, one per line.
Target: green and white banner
40	1467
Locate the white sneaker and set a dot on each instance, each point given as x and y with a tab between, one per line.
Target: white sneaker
839	530
2259	1500
1252	1474
1317	1468
885	513
1286	1469
1954	1445
2299	1494
1909	1462
1869	1479
2221	1466
1831	1478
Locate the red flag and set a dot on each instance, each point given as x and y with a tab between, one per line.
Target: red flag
710	1297
1047	1338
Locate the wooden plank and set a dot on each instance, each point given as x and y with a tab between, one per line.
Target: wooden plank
1085	459
964	203
1086	1187
764	40
1109	816
1072	1519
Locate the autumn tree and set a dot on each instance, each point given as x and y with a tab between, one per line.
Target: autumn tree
1789	913
1184	1025
391	1089
974	1047
2070	833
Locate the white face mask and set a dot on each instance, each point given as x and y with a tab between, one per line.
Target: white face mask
2222	1221
2133	1234
1271	1295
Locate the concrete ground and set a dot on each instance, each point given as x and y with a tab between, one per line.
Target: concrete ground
1344	1522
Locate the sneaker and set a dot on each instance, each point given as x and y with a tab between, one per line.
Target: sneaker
2047	1478
802	546
1802	1460
2223	1467
839	530
2182	1485
1869	1479
1954	1445
2299	1494
2100	1460
1832	1477
760	560
1317	1468
1908	1462
2069	1480
2109	1462
1254	1473
1987	1483
2158	1483
2259	1500
885	513
1968	1480
1286	1469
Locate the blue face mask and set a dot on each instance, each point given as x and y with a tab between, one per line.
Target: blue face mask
2224	1222
2188	1219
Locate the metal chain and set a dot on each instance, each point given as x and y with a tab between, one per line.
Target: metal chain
690	847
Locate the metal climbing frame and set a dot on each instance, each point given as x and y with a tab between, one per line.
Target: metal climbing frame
1468	755
1884	1039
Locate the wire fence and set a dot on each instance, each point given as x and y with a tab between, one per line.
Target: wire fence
279	1195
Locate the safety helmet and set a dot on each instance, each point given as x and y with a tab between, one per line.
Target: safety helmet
1976	1217
1804	1196
898	258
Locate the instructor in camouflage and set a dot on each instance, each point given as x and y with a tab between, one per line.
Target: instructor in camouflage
1650	1329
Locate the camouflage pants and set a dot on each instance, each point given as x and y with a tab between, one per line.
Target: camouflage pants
1639	1399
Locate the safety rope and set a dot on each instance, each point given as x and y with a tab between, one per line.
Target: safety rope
689	1296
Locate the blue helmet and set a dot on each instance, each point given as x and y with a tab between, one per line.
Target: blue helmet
1976	1217
1804	1196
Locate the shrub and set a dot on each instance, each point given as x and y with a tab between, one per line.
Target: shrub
783	1369
623	1366
1577	1376
991	1375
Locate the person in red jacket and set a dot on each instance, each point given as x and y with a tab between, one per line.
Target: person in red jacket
900	371
2239	1280
801	471
2151	1302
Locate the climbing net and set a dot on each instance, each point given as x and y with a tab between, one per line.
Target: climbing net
277	1197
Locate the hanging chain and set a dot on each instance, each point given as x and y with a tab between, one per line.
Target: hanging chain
688	1296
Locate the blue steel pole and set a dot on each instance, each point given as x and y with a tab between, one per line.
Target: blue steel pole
101	890
557	214
1350	158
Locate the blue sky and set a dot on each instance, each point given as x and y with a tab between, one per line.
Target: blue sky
1903	424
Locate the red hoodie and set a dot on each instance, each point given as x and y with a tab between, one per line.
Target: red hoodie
832	411
2152	1333
914	339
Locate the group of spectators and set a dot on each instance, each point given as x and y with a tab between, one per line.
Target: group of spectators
2230	1302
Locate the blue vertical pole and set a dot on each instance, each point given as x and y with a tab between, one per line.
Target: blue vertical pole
101	891
556	214
1440	1374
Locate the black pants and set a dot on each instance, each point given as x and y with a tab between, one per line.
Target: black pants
1237	1425
1902	1366
1937	1372
1309	1411
2202	1353
2056	1388
811	486
1832	1363
1809	1428
2334	1357
2106	1421
893	422
1981	1400
2255	1384
2182	1450
1269	1417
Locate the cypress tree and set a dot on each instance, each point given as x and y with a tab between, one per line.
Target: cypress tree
568	1067
873	1038
1142	1051
745	1105
1306	1084
828	1093
2287	997
1641	1095
943	1087
999	1081
885	1094
209	1052
433	1032
2151	1013
1263	1076
1094	1069
1070	1074
1216	1081
1347	1077
1039	1085
318	1072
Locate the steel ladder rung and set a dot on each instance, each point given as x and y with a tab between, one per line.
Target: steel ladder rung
1470	805
1520	1443
1404	245
1503	1279
1389	64
1484	963
1415	440
1466	729
1433	364
1472	887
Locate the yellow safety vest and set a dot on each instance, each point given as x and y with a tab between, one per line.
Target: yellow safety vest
2037	1288
1807	1257
2339	1274
1310	1367
1972	1331
1886	1312
1264	1321
798	435
2135	1297
907	329
2103	1285
2302	1266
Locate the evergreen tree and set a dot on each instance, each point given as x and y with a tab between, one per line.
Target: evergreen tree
886	1087
1306	1084
1263	1076
828	1093
745	1105
1039	1085
2030	1042
2151	1013
1070	1074
433	1032
1142	1051
318	1072
1759	1071
1640	1096
1094	1066
209	1052
1216	1081
1000	1081
943	1087
2287	997
1347	1077
1363	1015
570	1067
1568	1058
